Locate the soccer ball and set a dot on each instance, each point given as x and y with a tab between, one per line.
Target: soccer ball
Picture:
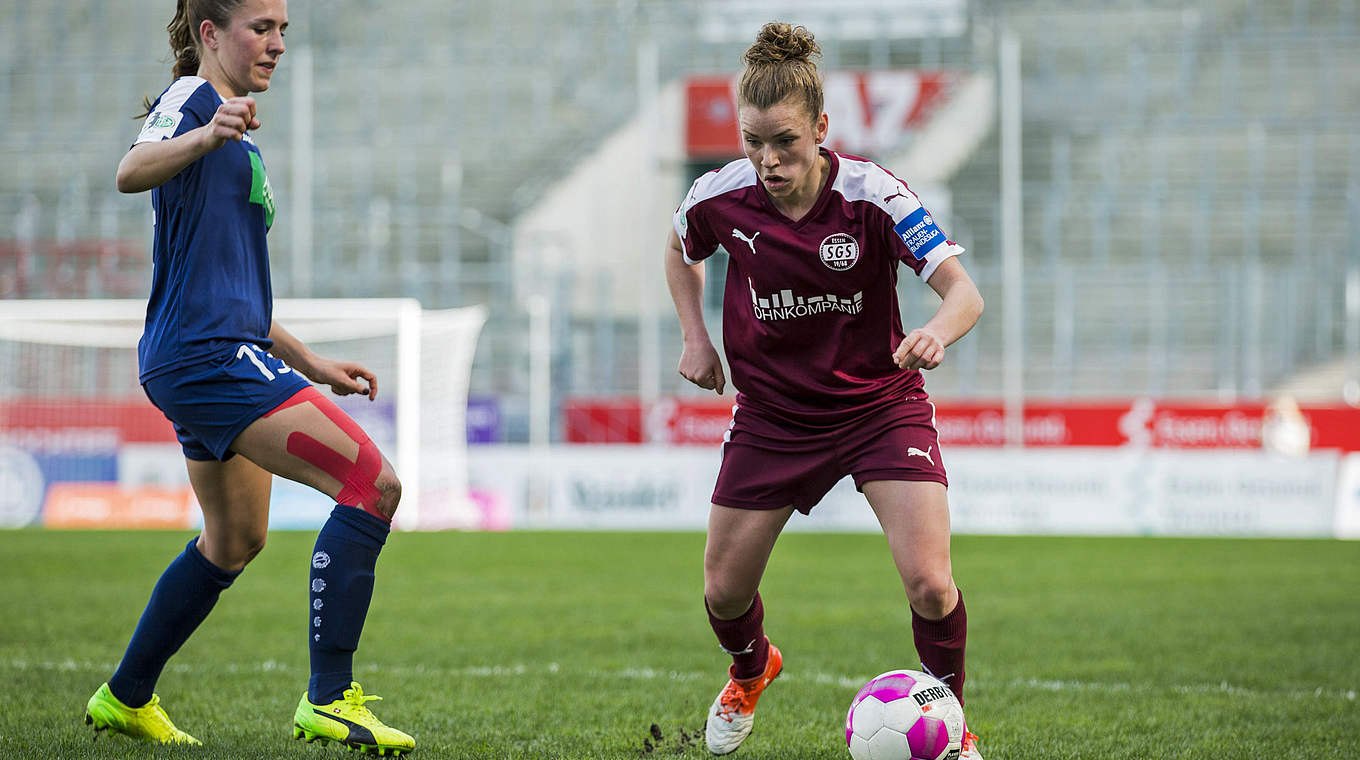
904	715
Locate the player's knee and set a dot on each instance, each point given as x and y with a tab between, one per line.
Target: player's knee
930	593
389	493
725	602
251	546
233	552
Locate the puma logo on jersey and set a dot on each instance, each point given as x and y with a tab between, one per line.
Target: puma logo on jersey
750	241
912	451
894	195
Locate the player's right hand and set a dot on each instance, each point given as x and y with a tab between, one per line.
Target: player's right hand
700	364
231	121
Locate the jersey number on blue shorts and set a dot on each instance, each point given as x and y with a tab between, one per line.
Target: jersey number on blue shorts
247	351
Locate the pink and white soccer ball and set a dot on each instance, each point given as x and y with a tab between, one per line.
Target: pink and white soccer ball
904	715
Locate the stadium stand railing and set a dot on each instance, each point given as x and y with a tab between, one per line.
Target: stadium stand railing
1185	165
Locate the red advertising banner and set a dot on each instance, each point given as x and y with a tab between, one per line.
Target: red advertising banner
695	422
85	426
1138	422
870	111
605	420
57	423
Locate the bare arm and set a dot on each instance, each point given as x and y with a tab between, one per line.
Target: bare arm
960	307
151	164
699	361
343	377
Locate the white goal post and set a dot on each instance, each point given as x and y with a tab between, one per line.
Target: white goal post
83	353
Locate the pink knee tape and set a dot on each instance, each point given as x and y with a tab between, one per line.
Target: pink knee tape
358	479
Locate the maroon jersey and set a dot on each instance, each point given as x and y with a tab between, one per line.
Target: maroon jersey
810	315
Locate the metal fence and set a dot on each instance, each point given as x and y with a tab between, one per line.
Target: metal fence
1191	197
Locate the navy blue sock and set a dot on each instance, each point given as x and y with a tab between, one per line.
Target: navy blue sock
183	597
341	587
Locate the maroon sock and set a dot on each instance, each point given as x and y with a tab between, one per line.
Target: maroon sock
940	644
744	639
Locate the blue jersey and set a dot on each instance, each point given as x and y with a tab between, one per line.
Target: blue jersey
210	287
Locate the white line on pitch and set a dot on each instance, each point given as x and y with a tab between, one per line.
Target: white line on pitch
652	674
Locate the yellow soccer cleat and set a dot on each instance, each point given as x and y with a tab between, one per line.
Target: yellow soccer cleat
148	722
348	722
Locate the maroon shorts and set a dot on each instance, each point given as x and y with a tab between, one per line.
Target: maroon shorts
767	465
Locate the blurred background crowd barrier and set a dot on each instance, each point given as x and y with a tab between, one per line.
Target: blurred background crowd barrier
1186	188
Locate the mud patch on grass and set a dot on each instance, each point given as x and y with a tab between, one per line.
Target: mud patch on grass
670	742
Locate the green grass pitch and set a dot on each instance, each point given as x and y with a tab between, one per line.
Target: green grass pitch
573	645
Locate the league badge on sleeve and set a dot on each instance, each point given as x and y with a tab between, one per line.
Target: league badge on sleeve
919	233
159	125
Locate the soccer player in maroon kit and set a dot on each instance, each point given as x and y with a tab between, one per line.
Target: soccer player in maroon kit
828	382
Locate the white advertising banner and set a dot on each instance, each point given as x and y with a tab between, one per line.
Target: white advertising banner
1055	491
1141	492
1348	498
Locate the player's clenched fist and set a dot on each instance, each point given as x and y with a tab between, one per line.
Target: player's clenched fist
919	350
231	121
699	364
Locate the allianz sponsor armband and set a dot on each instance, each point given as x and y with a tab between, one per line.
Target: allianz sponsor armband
919	233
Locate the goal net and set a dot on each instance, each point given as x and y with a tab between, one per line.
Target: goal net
81	446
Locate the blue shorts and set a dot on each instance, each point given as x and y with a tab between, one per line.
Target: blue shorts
211	402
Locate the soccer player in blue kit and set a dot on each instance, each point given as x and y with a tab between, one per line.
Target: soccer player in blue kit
231	381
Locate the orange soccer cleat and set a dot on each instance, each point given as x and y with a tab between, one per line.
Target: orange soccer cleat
970	750
733	712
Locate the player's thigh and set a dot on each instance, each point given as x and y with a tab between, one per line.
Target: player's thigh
915	520
310	440
737	550
234	497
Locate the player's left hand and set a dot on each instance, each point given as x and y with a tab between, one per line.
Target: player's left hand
344	378
919	350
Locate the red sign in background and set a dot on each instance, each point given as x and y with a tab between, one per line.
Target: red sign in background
67	458
1138	422
58	423
75	444
870	111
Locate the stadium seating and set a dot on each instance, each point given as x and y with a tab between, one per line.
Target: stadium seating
1184	169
